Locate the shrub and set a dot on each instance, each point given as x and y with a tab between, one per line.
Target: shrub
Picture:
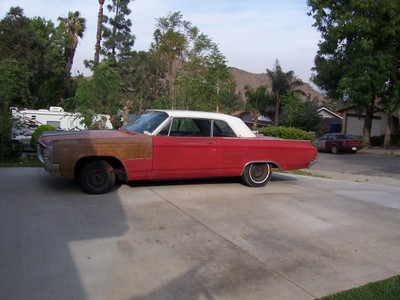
287	133
395	140
377	140
38	132
9	151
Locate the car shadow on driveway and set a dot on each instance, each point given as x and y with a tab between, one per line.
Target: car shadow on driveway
224	180
47	228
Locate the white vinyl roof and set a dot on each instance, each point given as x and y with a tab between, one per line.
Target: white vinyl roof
237	125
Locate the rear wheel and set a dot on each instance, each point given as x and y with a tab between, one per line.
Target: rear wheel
257	174
335	150
97	177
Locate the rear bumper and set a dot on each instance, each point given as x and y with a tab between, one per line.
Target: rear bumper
350	147
312	162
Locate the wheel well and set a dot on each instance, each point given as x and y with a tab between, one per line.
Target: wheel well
271	163
114	162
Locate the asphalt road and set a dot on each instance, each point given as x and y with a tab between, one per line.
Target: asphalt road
297	238
359	164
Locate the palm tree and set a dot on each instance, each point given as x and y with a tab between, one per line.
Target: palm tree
258	101
282	83
73	26
99	33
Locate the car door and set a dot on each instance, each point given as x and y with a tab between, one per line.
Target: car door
321	142
184	148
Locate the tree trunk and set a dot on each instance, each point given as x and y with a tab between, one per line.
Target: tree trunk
369	113
170	80
98	34
254	117
114	31
277	110
69	56
388	131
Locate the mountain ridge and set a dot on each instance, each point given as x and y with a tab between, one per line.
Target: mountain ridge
255	80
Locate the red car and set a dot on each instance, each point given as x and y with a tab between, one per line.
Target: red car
338	142
164	144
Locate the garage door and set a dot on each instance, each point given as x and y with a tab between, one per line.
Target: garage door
354	126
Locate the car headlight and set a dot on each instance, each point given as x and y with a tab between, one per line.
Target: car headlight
49	152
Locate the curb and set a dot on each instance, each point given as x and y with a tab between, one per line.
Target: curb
380	151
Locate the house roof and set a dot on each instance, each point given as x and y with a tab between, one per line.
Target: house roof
324	110
353	107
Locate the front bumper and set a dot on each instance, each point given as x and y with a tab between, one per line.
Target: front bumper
53	169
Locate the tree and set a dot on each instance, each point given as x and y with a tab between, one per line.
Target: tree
13	90
221	84
99	31
36	44
117	38
300	114
100	94
142	80
204	82
258	101
47	66
197	76
282	83
15	34
358	57
170	43
73	27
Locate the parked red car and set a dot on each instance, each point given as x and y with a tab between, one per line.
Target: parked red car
338	142
164	144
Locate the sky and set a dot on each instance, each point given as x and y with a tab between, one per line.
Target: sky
251	34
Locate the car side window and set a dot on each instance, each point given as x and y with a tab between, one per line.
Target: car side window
166	129
222	129
189	127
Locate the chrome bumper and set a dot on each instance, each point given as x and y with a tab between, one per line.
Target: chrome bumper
53	169
312	162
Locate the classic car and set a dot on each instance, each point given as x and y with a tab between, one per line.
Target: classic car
338	142
170	144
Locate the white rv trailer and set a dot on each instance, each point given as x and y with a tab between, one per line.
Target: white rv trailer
55	116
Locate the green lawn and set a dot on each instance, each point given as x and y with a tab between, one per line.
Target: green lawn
30	161
388	289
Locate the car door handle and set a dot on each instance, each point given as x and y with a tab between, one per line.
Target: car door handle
210	143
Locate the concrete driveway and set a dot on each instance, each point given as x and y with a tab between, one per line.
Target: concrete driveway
297	238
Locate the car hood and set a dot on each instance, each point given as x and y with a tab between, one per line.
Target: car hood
50	136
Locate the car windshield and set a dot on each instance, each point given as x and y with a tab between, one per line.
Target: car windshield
147	122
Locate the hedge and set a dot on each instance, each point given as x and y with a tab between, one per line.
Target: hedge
289	133
37	133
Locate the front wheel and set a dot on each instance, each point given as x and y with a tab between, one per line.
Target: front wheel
97	177
257	174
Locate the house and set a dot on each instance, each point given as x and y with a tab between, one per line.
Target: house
353	121
247	118
330	121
